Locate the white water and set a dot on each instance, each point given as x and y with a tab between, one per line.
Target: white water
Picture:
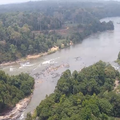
100	46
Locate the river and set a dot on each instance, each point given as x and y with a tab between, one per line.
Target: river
46	70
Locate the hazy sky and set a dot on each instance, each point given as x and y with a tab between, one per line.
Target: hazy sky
14	1
20	1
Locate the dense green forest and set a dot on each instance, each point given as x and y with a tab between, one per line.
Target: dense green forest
90	94
13	89
35	27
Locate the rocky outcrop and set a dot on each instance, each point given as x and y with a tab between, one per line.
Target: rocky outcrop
17	110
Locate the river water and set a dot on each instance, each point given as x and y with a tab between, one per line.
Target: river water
46	70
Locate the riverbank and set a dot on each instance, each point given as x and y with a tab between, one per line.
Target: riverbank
17	110
50	51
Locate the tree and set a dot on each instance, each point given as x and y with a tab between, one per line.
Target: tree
13	48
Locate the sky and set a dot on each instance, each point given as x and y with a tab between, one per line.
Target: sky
14	1
20	1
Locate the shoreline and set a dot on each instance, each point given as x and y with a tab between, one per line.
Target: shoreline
34	56
28	57
17	110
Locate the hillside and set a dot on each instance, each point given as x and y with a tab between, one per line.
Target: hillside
35	27
13	89
86	95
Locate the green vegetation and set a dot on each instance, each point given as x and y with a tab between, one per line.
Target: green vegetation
118	59
35	27
13	89
86	95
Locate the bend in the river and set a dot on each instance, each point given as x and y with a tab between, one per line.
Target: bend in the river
47	69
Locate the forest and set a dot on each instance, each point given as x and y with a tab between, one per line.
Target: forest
13	89
90	94
35	27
